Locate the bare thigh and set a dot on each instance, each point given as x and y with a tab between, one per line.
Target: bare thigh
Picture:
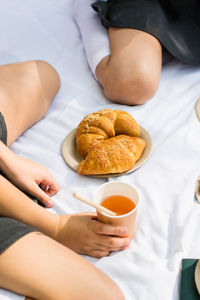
135	61
26	91
130	47
42	269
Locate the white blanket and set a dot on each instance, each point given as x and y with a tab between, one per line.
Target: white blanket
169	220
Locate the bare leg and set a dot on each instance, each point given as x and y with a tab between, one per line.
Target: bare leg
131	74
36	265
43	269
26	91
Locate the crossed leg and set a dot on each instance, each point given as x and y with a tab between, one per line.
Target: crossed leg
131	73
36	265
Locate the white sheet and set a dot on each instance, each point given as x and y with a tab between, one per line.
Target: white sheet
169	219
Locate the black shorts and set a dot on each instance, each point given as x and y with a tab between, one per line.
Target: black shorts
10	229
176	24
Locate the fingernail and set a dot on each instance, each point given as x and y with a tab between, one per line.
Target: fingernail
123	230
50	203
128	243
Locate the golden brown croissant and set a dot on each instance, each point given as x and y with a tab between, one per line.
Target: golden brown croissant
103	125
115	155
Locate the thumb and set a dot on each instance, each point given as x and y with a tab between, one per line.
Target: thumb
42	196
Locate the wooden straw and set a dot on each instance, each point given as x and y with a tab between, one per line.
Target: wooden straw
95	205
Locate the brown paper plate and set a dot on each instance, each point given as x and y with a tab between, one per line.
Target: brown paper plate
197	189
197	109
197	276
72	157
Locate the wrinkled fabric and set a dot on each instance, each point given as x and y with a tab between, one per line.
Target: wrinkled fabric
169	219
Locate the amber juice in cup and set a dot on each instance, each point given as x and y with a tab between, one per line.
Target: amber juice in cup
121	205
122	199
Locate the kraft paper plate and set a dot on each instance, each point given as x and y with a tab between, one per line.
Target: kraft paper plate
197	276
197	109
72	157
197	189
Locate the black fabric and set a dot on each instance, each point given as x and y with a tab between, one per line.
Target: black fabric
3	130
175	23
10	229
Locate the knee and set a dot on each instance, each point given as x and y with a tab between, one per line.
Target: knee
134	88
115	293
109	291
48	78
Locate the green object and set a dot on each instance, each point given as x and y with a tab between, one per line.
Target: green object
188	287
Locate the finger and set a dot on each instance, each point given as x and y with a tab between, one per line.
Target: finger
43	186
108	229
112	243
50	186
37	192
98	253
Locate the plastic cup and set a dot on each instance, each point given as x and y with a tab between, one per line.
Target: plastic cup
123	189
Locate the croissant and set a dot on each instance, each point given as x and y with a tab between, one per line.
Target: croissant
103	125
115	155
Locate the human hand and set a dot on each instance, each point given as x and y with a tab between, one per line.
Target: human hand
30	177
85	235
